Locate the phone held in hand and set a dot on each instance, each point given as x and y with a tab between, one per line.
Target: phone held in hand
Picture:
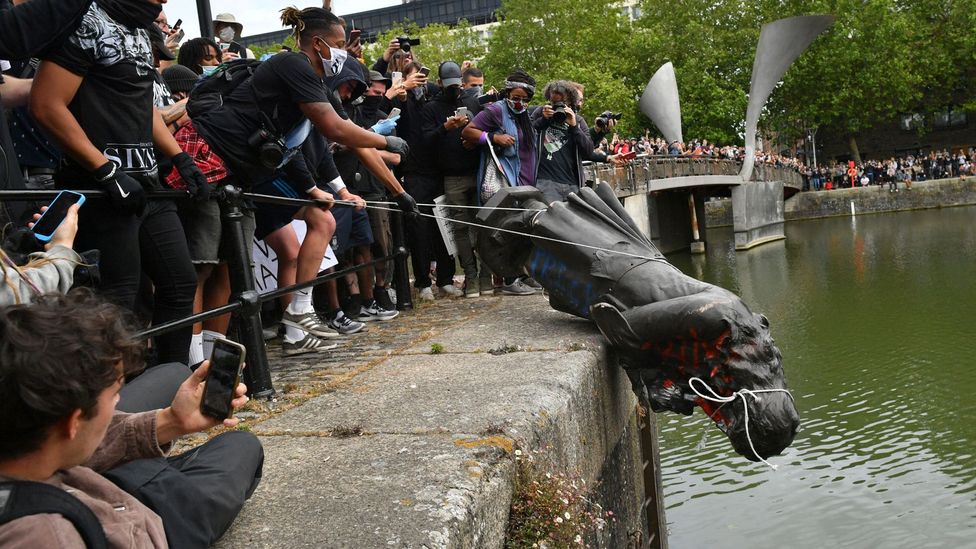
393	113
629	155
226	365
424	71
463	111
53	217
354	35
396	77
235	47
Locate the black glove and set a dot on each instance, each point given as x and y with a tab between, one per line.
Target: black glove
397	145
196	182
407	205
126	194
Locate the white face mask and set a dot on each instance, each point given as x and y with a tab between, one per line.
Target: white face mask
226	34
334	65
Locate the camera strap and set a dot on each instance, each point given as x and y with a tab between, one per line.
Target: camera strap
24	498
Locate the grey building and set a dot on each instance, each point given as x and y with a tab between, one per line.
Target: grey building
422	12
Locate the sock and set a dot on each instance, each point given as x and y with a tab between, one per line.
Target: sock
208	337
301	302
293	334
196	349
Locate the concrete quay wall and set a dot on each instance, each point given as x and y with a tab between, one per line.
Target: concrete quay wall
817	204
420	449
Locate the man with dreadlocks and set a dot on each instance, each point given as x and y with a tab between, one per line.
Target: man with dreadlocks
506	126
286	96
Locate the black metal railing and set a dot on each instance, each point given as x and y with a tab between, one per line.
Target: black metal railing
245	302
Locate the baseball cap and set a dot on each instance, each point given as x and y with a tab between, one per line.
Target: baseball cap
449	74
375	76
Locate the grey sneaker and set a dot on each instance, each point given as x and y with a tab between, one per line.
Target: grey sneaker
450	290
373	311
426	294
517	288
531	283
308	322
308	344
345	325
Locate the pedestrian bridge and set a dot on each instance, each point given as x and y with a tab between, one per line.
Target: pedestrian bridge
666	195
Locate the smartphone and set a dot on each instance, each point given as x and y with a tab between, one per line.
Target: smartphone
179	22
463	111
234	47
51	219
629	155
396	77
394	112
424	71
354	35
226	364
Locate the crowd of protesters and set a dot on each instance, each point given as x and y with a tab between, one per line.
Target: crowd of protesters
890	173
107	95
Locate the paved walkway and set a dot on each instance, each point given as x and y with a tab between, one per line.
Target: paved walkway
383	444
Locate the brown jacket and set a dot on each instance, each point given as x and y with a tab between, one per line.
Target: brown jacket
127	523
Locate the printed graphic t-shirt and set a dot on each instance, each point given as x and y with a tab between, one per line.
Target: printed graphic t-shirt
558	155
114	104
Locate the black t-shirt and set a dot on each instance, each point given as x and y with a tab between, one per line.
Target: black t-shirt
114	104
558	155
278	87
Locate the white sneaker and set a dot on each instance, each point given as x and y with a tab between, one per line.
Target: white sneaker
308	322
451	291
308	344
426	294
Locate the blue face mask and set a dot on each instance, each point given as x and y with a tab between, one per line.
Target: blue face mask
207	71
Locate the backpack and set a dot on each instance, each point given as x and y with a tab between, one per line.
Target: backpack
23	498
209	92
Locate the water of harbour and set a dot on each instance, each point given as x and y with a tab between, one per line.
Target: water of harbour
876	320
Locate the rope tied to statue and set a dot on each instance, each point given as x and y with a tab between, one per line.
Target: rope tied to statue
715	397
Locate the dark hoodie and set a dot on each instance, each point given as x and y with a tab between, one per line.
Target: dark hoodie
450	157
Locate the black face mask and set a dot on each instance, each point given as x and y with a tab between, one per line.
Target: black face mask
135	14
371	103
452	93
470	92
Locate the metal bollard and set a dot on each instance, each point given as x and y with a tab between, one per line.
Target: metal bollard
401	275
257	374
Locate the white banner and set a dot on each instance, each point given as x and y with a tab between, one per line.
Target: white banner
266	261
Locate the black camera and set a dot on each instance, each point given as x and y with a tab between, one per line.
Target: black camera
605	117
270	147
559	112
406	42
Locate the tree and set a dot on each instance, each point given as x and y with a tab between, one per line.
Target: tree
584	41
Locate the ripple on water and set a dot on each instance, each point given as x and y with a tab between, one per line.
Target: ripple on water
880	364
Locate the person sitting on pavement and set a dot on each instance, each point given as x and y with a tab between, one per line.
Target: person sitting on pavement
63	360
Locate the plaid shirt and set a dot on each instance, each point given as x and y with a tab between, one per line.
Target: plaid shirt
193	144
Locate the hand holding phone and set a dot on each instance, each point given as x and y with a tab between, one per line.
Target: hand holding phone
463	111
394	112
46	224
424	71
226	365
396	77
629	155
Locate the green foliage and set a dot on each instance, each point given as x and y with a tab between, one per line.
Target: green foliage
436	348
261	50
438	43
584	41
881	58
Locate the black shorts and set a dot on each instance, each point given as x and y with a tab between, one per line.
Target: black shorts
352	227
271	217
